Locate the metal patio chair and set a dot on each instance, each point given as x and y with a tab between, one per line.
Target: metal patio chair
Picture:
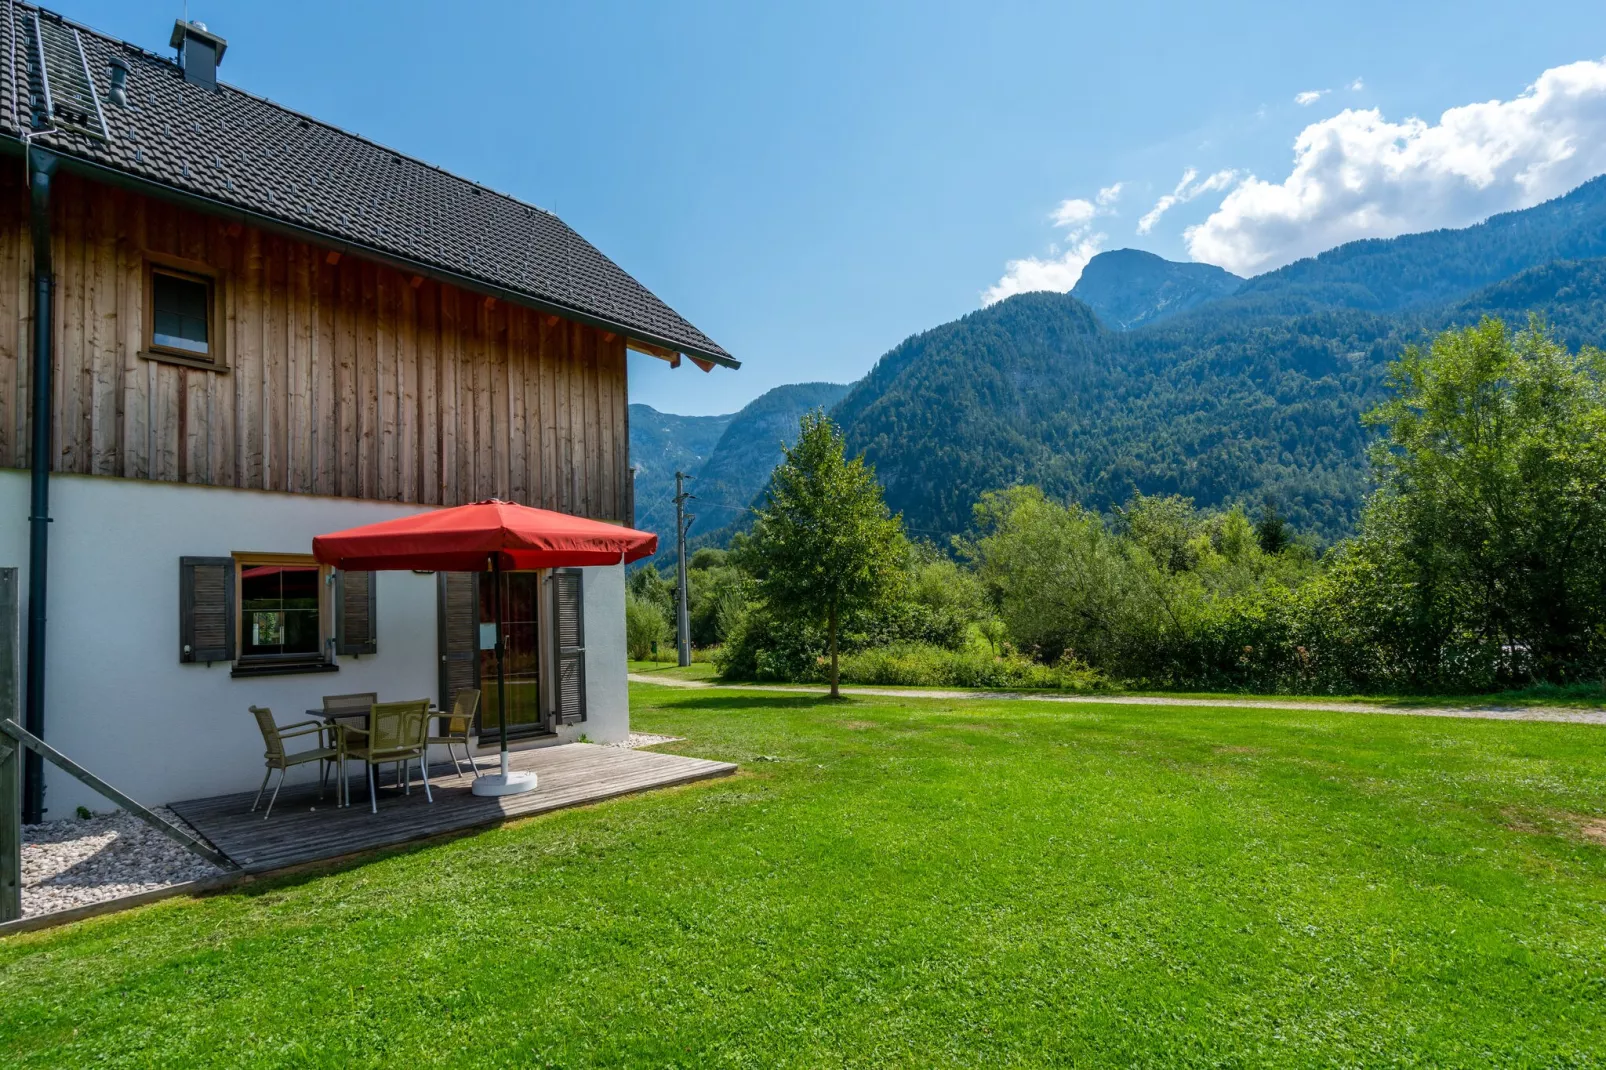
456	727
396	733
330	751
350	710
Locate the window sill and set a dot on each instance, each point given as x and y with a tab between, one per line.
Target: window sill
186	362
282	670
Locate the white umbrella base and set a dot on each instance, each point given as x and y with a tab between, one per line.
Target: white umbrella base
504	784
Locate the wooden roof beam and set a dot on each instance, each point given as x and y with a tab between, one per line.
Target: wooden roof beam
661	352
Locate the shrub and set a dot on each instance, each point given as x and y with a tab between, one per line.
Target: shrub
925	665
644	626
761	646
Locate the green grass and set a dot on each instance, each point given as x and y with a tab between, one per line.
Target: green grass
697	670
915	883
1545	696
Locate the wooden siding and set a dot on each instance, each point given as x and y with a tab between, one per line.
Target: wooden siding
348	379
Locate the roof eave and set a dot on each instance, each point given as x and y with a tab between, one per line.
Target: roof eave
100	172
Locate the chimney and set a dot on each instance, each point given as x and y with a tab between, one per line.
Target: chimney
199	52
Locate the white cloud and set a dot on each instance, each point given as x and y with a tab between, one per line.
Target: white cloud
1356	86
1060	270
1186	190
1073	213
1357	175
1310	96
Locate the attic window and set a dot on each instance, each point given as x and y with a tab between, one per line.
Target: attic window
181	317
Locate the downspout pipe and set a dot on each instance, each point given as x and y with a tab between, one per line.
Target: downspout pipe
41	166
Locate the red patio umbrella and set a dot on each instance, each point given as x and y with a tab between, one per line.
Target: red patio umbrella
466	538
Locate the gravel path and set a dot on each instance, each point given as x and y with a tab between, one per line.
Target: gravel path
79	861
1493	713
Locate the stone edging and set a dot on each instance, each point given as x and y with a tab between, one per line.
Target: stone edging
124	902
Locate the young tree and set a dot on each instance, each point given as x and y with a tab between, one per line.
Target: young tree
1488	530
1271	530
824	543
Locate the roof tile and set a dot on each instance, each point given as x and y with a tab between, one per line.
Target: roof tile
259	156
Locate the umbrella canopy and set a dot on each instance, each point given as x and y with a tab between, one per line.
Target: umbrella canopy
464	538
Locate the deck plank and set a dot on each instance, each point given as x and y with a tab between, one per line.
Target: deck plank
303	829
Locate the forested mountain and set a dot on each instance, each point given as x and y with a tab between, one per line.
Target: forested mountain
750	449
662	444
1035	390
1169	385
1569	294
729	457
1127	288
1218	404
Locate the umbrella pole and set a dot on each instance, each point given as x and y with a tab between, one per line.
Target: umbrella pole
501	650
506	782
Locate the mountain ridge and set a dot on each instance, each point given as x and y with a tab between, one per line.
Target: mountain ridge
1252	395
1127	288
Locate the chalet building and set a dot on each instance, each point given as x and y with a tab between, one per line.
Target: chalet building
226	328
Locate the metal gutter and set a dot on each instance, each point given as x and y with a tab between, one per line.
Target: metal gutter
100	172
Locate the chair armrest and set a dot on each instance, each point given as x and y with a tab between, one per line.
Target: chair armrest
300	728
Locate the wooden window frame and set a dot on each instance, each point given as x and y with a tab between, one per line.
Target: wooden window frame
193	271
259	665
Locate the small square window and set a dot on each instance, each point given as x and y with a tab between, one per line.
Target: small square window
281	612
181	314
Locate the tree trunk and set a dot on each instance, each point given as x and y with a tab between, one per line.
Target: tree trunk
835	692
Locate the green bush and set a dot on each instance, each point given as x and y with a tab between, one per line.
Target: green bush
644	626
925	665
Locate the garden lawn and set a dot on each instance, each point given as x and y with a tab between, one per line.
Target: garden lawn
697	670
915	883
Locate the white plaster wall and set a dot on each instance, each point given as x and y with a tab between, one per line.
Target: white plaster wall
119	701
117	698
607	690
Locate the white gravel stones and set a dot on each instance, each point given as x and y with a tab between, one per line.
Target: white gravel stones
78	861
642	739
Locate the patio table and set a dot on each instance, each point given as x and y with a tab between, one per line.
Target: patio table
354	715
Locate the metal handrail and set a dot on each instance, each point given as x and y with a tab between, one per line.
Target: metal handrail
32	742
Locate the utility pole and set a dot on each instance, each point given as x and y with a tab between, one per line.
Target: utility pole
682	615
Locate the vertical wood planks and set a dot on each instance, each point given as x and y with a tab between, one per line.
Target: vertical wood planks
342	378
15	322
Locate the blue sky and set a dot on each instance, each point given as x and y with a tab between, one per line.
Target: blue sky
811	184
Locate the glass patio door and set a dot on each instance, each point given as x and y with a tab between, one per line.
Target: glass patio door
522	633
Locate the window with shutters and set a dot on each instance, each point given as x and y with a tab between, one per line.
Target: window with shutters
280	612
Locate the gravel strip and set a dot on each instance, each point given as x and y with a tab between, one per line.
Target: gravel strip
642	739
79	861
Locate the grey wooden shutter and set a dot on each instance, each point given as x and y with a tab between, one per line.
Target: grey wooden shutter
458	633
206	609
569	647
356	613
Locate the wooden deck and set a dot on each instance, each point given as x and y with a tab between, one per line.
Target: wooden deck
572	774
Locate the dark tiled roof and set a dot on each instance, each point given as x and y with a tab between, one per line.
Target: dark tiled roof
252	154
